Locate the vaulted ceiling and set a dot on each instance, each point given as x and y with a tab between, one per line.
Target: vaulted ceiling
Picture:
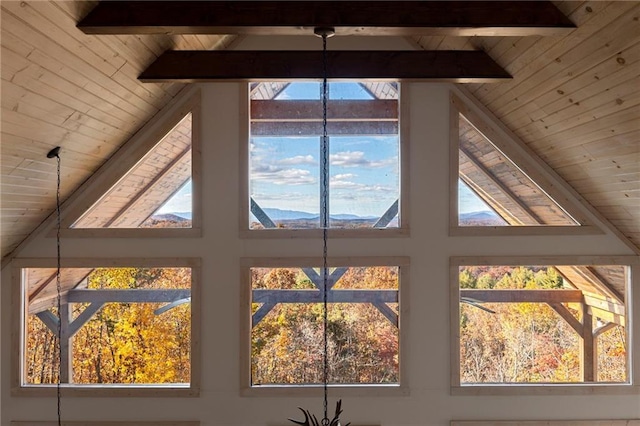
574	100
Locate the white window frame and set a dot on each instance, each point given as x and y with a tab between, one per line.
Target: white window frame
19	305
399	389
105	423
527	161
125	159
403	207
632	298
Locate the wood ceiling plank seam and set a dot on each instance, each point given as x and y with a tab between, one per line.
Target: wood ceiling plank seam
580	155
74	122
75	68
615	70
16	45
613	172
572	63
455	43
568	7
39	59
189	42
25	12
22	148
76	10
154	95
608	74
53	86
131	48
55	12
39	129
621	122
615	101
527	64
157	43
546	149
630	159
13	62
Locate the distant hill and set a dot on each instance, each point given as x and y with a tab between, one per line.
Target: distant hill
279	214
481	218
171	217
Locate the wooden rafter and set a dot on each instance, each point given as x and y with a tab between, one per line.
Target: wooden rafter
311	110
399	18
190	66
523	296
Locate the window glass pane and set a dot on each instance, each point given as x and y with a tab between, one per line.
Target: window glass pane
287	332
155	193
285	175
502	185
128	326
473	211
523	324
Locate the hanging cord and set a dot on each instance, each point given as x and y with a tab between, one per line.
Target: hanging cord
55	152
325	226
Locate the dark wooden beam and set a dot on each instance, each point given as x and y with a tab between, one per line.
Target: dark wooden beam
190	66
523	296
398	18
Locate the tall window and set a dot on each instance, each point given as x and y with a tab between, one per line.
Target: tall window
285	173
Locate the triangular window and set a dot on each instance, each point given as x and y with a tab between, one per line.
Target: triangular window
155	193
499	184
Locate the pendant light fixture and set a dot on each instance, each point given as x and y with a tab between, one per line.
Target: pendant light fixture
310	419
55	153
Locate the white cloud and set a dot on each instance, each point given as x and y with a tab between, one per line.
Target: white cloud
280	176
343	176
357	159
298	160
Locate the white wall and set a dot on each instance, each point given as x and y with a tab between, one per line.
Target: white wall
428	246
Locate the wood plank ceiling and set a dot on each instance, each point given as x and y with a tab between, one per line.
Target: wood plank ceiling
574	99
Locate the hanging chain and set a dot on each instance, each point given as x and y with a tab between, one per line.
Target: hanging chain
325	226
55	153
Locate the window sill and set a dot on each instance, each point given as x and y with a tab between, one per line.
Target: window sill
95	390
518	389
317	390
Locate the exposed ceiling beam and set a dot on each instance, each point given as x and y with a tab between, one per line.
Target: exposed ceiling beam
454	18
470	66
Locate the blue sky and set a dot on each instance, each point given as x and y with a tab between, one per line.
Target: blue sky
364	170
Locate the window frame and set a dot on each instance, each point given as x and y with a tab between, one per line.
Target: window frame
632	298
125	159
404	182
105	423
524	159
18	388
246	388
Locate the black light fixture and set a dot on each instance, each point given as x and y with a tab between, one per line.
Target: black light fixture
55	153
311	419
